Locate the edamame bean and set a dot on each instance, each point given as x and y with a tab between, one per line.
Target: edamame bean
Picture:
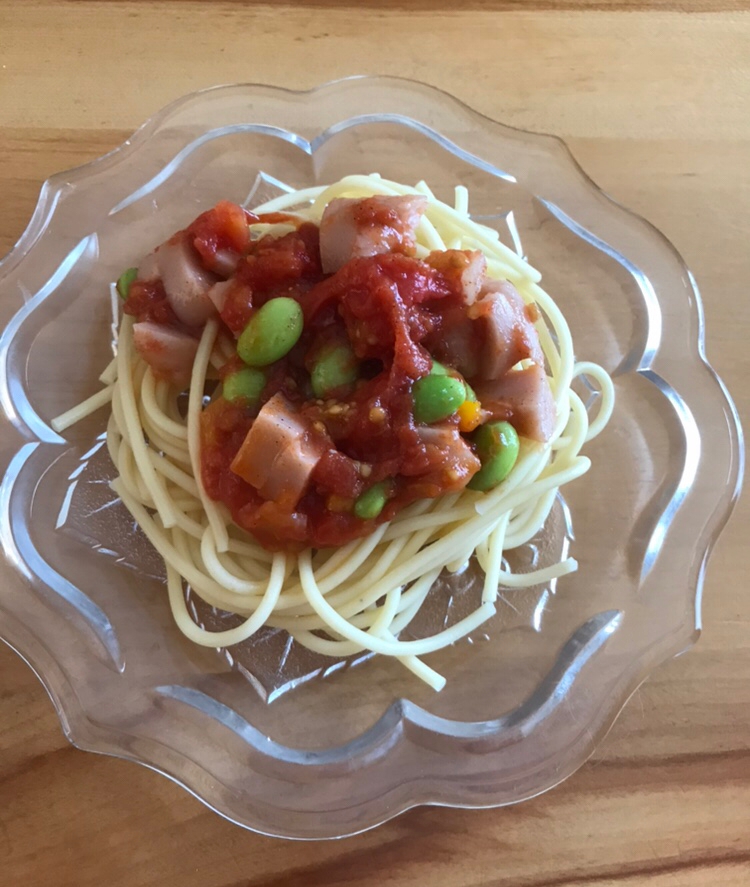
335	368
437	397
370	503
497	447
246	384
439	369
125	280
271	333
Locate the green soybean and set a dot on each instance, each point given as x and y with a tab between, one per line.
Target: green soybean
246	384
439	369
271	333
335	368
370	503
497	447
125	280
437	397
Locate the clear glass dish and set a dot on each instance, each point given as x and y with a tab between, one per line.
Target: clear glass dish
306	749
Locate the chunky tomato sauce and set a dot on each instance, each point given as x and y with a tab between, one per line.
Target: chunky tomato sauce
148	302
386	308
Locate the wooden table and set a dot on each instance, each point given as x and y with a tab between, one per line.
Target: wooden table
655	103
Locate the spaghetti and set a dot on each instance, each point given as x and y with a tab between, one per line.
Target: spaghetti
362	595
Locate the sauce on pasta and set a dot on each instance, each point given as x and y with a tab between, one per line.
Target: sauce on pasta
348	402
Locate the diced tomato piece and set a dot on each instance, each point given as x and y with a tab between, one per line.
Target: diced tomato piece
147	301
338	474
221	234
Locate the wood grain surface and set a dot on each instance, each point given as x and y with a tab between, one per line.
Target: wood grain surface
654	99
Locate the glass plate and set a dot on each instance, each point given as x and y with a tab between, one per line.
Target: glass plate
275	742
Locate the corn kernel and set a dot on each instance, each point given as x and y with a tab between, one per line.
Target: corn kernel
469	416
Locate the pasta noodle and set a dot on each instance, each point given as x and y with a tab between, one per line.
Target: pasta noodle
363	595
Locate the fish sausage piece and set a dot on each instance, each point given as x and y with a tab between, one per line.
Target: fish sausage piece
170	353
352	227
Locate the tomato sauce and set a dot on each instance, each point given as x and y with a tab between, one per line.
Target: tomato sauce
147	301
385	308
222	230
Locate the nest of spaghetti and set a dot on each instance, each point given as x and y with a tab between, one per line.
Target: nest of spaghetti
320	405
